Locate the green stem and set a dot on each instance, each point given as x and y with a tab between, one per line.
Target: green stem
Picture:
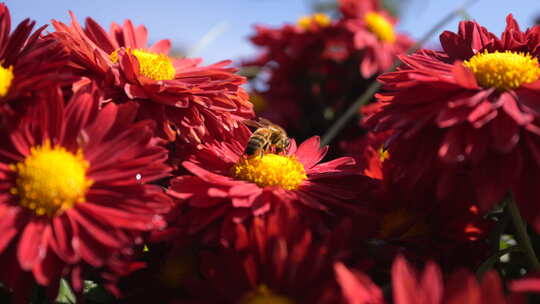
375	85
488	264
521	234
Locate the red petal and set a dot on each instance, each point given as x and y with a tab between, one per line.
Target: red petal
404	285
511	108
11	224
464	76
31	250
310	153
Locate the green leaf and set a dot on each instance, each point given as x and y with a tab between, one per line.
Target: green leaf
65	294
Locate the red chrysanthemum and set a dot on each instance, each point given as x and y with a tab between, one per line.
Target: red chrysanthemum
275	259
74	189
185	99
228	186
409	287
374	35
307	72
468	115
414	222
28	62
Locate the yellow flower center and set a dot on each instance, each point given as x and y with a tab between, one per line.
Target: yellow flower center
383	154
152	65
380	26
503	71
271	170
263	295
319	19
51	180
6	76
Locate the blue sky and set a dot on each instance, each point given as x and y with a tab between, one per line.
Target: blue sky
185	22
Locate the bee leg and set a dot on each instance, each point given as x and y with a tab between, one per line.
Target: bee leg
264	149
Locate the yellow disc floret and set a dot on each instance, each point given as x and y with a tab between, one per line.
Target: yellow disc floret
384	154
6	77
271	170
263	295
152	65
503	70
380	27
51	180
319	19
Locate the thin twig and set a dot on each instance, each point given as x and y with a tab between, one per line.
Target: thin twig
522	235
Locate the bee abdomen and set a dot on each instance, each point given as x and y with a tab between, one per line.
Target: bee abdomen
254	144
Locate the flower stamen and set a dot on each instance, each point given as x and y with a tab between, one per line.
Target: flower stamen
271	170
51	180
152	65
503	70
380	27
319	19
6	77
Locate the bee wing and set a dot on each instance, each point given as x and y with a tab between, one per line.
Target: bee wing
265	122
253	123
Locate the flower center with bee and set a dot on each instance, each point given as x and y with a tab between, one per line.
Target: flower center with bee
152	65
503	70
380	27
51	180
269	170
318	19
6	77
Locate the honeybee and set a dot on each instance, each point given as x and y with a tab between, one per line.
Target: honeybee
268	137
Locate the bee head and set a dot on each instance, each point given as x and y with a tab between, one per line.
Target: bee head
286	144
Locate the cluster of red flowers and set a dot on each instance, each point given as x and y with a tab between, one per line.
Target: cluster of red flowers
129	175
310	72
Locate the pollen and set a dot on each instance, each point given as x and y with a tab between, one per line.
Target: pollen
503	70
271	170
384	154
263	295
152	65
51	180
6	77
380	27
320	19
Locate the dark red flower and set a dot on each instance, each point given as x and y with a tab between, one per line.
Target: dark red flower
409	287
228	187
467	116
74	186
185	99
28	62
275	259
308	73
414	221
374	35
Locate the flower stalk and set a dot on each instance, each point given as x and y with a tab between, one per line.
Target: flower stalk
521	234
